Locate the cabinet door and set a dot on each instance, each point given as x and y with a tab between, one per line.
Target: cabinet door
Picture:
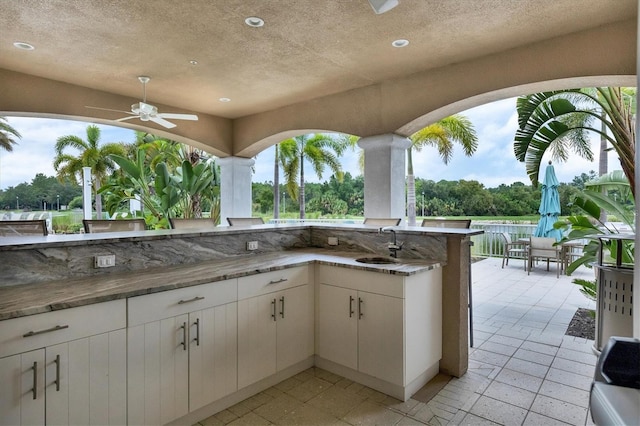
294	326
381	337
338	329
158	371
86	380
213	355
19	404
256	338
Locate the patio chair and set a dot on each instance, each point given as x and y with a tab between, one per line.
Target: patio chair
382	221
93	226
204	224
446	223
516	249
543	247
245	221
22	228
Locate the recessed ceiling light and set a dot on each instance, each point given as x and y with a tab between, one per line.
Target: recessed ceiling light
400	43
224	100
24	46
254	21
193	62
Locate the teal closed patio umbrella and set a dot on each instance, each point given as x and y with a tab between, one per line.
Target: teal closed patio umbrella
549	206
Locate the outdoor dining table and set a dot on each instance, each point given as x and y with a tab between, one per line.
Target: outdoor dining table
567	252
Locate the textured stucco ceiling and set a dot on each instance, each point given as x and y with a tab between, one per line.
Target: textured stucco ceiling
307	49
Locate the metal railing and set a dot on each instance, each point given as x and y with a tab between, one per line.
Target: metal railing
491	242
488	244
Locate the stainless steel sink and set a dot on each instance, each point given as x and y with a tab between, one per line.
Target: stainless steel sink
376	260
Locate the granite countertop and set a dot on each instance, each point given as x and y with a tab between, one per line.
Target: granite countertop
29	299
62	240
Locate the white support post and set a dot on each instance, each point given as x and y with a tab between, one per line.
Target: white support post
384	175
235	187
86	193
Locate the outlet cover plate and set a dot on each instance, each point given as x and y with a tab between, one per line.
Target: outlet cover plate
252	245
332	241
104	261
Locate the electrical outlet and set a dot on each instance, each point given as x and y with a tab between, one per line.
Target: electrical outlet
252	245
104	261
332	241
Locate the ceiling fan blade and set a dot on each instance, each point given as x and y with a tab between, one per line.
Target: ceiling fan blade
109	109
127	118
178	116
161	121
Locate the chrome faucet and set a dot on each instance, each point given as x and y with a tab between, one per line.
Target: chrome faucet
393	246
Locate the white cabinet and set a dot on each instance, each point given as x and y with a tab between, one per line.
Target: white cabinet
382	326
182	351
275	323
362	331
338	325
380	336
22	401
73	361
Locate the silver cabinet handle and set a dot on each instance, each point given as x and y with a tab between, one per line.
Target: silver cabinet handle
57	382
360	313
195	299
34	391
197	324
48	330
351	311
184	336
282	306
273	309
281	280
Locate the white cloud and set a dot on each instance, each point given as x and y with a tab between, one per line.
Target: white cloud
34	152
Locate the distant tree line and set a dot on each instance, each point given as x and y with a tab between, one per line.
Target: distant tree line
338	199
442	198
42	191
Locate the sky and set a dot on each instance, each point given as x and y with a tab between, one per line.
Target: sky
493	163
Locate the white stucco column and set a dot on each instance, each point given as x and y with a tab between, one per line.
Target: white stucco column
384	175
87	208
235	187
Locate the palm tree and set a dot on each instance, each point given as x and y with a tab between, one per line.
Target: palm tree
320	150
559	121
442	135
91	154
7	134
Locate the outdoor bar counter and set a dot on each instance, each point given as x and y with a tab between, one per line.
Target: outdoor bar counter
41	274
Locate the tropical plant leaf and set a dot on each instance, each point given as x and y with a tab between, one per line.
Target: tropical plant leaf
550	121
604	202
127	166
613	180
588	205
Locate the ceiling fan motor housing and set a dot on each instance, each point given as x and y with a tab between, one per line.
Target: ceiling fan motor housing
144	109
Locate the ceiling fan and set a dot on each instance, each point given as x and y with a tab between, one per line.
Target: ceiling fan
148	112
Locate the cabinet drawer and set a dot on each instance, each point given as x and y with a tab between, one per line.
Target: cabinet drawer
373	282
37	331
268	282
167	304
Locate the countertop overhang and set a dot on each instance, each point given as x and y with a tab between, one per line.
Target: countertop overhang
30	299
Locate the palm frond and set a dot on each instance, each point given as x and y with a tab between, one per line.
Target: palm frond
7	134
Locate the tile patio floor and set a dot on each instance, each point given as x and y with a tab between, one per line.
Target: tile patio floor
523	370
